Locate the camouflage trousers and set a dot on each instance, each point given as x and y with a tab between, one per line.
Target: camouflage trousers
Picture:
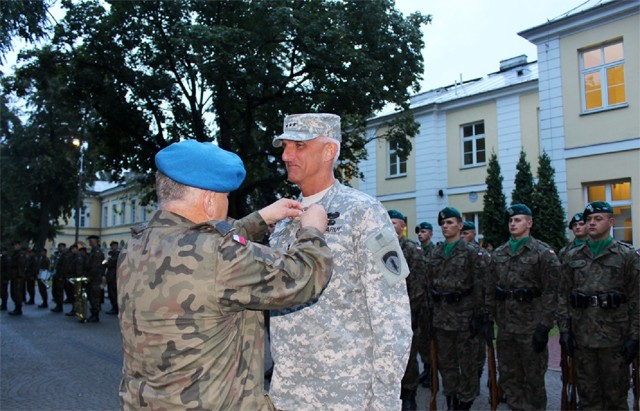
602	377
412	372
481	355
95	294
457	359
521	371
424	341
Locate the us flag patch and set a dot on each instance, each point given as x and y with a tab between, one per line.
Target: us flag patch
239	239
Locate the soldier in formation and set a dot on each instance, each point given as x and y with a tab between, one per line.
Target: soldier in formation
94	271
112	264
44	265
424	230
17	274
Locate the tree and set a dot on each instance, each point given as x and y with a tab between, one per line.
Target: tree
27	19
523	191
493	221
156	72
550	224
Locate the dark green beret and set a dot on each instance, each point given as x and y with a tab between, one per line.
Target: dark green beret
517	209
576	217
423	225
597	207
396	214
448	212
468	225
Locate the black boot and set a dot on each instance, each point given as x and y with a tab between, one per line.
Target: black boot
57	308
451	402
464	406
408	398
95	318
71	313
16	311
113	311
43	305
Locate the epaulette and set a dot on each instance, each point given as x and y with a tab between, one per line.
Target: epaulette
223	227
136	230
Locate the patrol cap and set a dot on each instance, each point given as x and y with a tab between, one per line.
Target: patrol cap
448	212
468	225
303	127
517	209
396	214
423	225
576	217
597	207
201	165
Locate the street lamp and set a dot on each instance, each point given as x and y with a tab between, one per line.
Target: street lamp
81	146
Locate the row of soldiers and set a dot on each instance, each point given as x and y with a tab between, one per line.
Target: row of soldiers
458	291
20	271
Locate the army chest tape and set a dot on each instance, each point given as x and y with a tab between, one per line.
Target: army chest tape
606	300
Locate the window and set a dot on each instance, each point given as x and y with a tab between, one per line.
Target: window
122	213
82	217
602	71
114	213
618	194
105	216
133	213
397	162
473	144
475	219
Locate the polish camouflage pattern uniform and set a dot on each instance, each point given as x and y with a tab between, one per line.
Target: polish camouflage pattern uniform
190	298
463	272
485	263
417	290
602	375
534	266
424	340
349	350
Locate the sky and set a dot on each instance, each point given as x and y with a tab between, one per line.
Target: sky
468	38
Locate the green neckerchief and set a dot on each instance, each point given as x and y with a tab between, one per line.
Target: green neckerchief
516	244
597	246
579	242
448	247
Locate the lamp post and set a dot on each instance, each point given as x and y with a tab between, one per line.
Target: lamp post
81	146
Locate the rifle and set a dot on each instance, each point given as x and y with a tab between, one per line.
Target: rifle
568	396
635	376
434	374
493	380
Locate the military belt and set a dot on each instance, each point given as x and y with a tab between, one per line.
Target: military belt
519	294
450	297
603	300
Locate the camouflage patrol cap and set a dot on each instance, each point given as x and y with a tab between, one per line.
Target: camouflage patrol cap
201	165
423	226
468	225
303	127
576	217
597	207
397	214
448	212
516	209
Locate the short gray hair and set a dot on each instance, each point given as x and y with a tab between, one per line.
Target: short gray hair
169	190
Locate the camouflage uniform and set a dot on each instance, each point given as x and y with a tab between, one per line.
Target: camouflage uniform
17	275
424	340
190	297
4	279
564	250
95	272
485	262
456	285
529	277
112	263
600	328
349	349
417	290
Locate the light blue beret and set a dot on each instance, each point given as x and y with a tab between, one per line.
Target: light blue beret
201	165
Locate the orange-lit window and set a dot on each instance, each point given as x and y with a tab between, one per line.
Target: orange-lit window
618	194
602	70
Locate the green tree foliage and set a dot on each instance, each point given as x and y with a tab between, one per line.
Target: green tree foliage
523	191
550	224
493	221
156	72
26	19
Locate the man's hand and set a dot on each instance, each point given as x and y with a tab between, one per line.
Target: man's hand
314	216
629	350
567	342
540	338
282	208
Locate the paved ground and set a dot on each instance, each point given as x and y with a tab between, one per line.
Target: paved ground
51	362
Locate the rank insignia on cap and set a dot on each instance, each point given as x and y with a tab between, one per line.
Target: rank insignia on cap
239	239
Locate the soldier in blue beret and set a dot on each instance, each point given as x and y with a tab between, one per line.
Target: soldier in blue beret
192	285
599	311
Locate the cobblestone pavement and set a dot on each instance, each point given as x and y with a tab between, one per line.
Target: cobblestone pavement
49	361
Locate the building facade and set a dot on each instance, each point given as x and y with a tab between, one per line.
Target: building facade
579	103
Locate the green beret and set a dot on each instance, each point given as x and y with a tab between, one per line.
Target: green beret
576	217
517	209
396	214
201	165
448	212
423	225
597	207
468	225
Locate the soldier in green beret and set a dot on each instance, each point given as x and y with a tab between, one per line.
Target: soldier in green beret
599	311
192	285
521	295
455	275
425	232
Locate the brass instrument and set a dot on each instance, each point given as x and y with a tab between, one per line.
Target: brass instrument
80	304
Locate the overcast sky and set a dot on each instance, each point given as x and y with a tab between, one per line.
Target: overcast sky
470	37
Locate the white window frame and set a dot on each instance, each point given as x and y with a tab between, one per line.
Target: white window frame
396	164
114	215
123	207
602	69
105	215
473	138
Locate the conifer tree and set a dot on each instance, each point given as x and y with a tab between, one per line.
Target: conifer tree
549	224
523	191
493	222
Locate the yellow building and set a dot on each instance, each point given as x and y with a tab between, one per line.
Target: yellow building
579	103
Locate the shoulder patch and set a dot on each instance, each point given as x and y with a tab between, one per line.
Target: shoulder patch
239	239
552	252
387	256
